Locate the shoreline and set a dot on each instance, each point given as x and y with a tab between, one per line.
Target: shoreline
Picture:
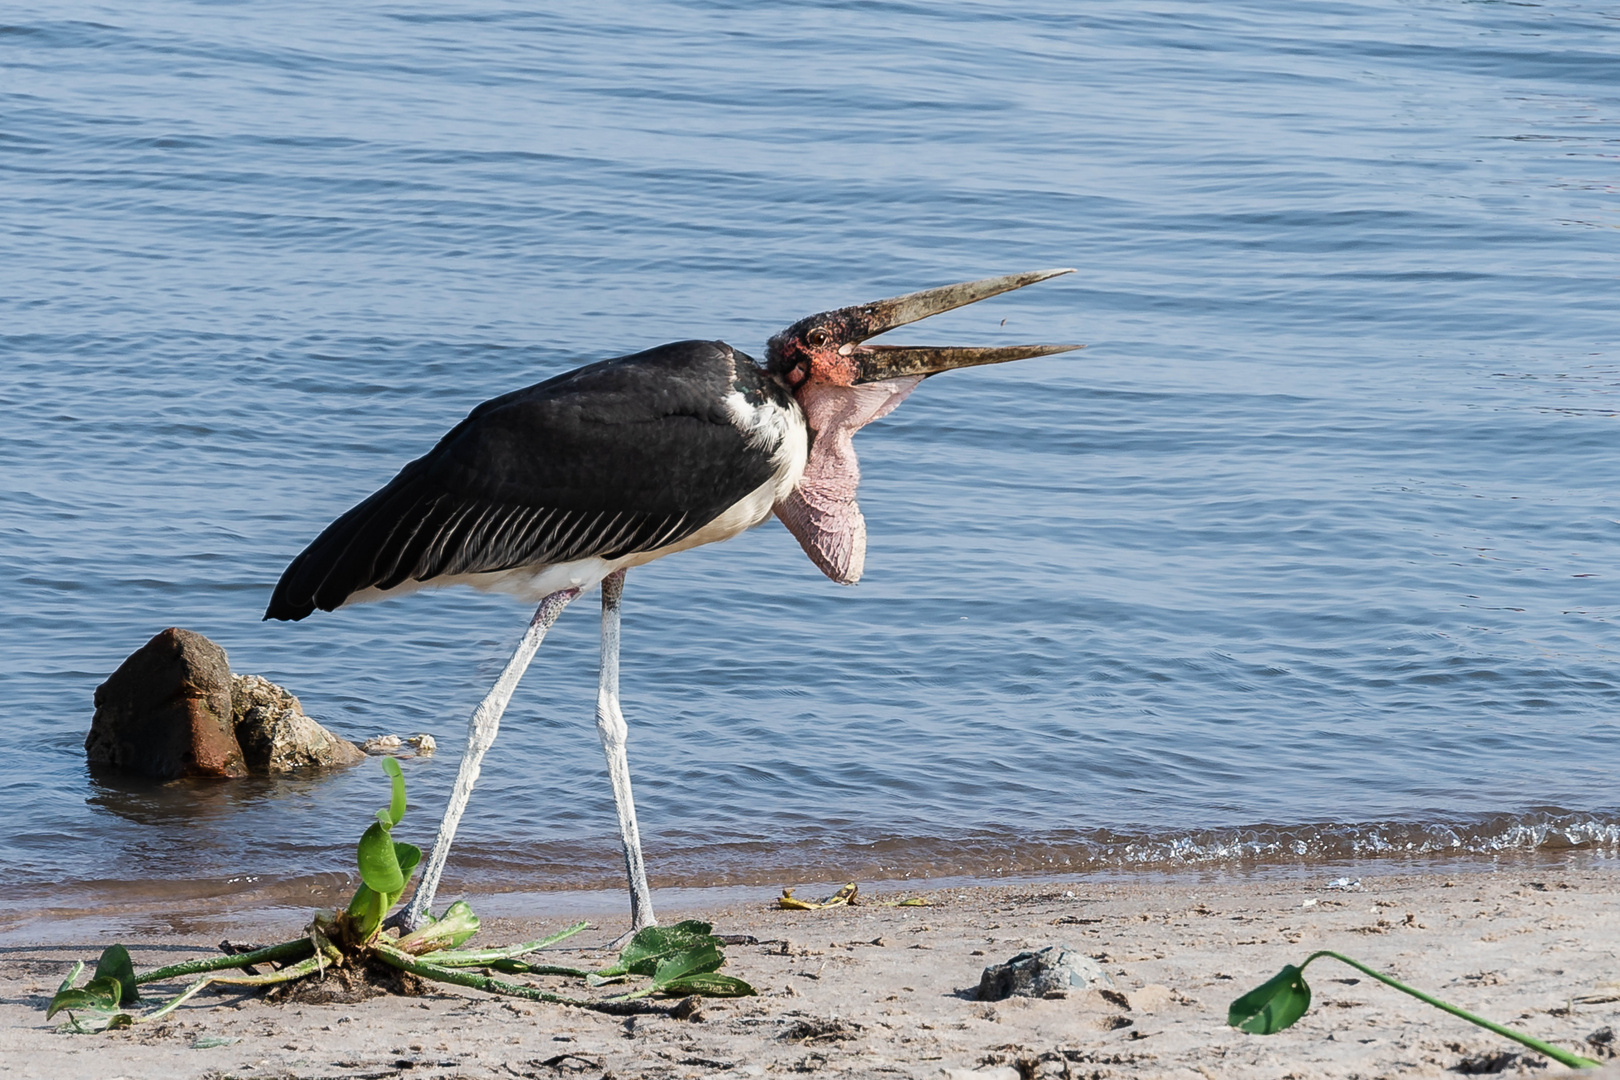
36	914
887	991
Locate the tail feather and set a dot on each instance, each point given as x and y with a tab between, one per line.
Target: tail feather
361	549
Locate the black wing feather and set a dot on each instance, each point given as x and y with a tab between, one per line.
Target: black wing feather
618	457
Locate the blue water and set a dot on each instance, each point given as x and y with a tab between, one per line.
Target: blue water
1310	555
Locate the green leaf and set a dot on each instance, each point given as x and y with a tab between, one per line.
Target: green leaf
72	976
709	984
1281	1001
385	864
408	856
508	965
396	805
456	926
379	865
367	910
99	995
362	902
115	963
641	954
460	921
90	1023
698	961
1273	1005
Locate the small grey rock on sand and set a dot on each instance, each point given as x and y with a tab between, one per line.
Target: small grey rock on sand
1055	971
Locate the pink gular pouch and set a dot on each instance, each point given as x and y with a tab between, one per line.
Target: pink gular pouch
821	512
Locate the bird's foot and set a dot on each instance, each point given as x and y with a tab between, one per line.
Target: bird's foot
401	921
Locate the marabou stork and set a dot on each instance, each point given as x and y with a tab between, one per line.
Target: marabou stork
549	490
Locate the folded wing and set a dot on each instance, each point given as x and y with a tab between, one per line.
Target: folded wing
623	456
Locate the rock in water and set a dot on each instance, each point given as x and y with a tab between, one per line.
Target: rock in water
1055	971
383	744
276	736
174	709
166	711
394	746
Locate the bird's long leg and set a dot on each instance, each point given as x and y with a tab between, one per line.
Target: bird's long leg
486	720
611	727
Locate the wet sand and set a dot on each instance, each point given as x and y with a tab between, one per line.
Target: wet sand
888	991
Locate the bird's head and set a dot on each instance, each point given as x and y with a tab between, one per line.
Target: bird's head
829	348
843	384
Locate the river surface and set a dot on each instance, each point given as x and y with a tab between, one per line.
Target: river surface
1311	556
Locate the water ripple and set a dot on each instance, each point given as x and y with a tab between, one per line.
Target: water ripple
1307	558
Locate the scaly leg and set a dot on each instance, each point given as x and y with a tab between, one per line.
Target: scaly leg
611	727
486	720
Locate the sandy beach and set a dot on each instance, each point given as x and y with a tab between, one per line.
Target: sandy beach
889	991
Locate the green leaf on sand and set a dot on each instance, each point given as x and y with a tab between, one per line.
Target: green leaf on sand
1273	1005
709	984
90	1023
697	961
115	963
97	995
455	926
682	959
642	953
1284	997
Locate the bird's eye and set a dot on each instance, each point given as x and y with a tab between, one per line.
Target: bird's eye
818	337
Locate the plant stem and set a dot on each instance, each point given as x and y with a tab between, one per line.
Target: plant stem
548	969
406	962
474	957
1563	1057
286	974
287	950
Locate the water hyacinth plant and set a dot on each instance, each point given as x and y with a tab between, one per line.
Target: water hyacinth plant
683	959
1283	999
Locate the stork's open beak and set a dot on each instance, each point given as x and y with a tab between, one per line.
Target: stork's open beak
876	363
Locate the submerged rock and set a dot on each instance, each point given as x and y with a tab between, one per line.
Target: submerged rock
174	709
383	744
1055	971
166	711
394	746
275	735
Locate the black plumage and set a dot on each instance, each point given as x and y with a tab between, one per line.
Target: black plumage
619	457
